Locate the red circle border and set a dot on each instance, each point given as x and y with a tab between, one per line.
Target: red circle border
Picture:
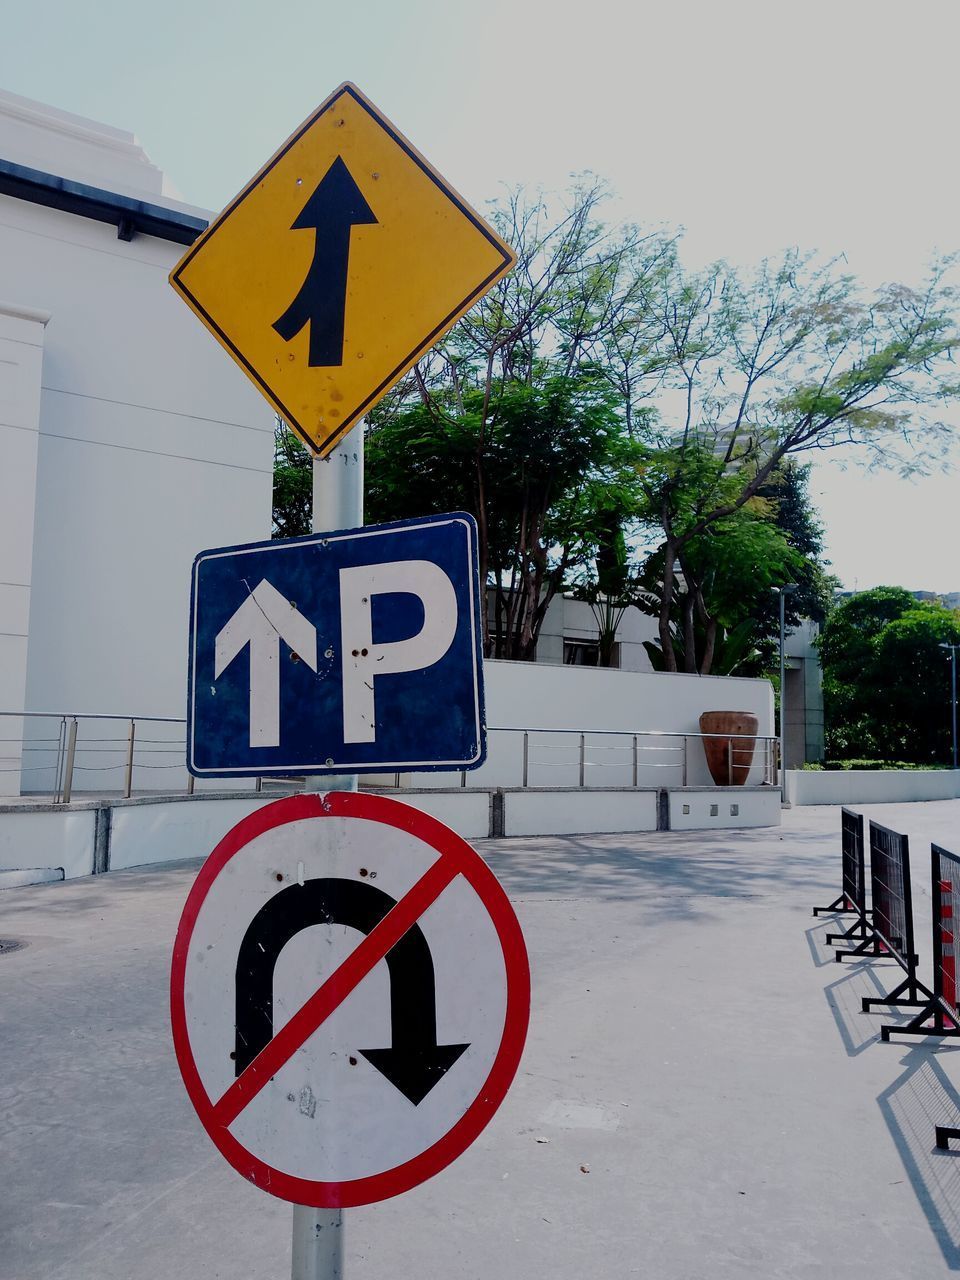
391	1182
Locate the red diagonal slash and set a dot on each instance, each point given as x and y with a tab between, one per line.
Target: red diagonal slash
334	991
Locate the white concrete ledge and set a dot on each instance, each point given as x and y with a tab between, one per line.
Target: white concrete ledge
870	786
700	808
549	812
95	835
48	840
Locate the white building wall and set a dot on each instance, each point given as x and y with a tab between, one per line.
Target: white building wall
568	619
152	444
59	142
608	706
21	358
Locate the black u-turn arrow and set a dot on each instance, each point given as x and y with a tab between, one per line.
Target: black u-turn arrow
415	1062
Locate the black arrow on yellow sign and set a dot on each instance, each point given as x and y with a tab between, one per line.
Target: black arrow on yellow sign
336	206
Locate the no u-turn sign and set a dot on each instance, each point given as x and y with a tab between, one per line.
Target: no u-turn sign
350	996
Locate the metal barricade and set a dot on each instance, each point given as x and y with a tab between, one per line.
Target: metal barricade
853	895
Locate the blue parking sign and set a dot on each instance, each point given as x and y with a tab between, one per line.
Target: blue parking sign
346	652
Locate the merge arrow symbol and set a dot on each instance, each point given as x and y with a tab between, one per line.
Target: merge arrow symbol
262	621
336	206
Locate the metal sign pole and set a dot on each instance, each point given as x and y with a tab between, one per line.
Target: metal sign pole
337	504
317	1243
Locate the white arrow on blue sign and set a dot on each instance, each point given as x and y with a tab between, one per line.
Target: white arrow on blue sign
353	651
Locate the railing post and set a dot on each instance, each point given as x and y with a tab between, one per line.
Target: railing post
71	755
463	777
396	779
61	753
729	762
683	775
259	785
583	759
128	772
635	762
191	783
526	756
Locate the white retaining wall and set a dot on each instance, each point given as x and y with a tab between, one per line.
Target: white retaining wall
730	807
172	831
138	442
868	786
143	831
525	695
548	813
45	839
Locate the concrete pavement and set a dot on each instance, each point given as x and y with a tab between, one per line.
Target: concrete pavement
700	1097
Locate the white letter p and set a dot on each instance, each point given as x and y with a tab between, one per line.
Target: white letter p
363	660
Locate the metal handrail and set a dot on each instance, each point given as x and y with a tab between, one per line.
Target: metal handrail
640	733
768	761
90	715
66	748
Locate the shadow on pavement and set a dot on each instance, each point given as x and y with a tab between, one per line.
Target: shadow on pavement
918	1100
675	874
821	952
858	1030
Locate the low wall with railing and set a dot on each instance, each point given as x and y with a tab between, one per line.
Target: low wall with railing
104	755
67	754
550	726
566	726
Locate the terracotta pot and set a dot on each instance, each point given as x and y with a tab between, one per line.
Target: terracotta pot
729	757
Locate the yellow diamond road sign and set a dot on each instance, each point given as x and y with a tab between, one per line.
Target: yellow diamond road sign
337	267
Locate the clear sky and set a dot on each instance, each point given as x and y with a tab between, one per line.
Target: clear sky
754	124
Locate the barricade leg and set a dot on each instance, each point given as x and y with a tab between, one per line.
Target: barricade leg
839	907
859	931
941	1026
870	948
938	1016
910	994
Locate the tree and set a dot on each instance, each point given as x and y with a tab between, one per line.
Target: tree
609	591
721	593
747	372
788	492
292	485
545	470
847	646
886	681
717	381
794	515
512	416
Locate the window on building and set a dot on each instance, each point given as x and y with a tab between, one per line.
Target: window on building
581	653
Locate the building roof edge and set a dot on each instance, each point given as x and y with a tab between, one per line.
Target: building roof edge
130	216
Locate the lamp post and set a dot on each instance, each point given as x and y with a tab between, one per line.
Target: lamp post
953	693
787	589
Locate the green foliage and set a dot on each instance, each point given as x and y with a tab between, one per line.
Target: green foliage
886	681
877	765
872	766
748	370
545	475
728	575
602	399
292	485
733	651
